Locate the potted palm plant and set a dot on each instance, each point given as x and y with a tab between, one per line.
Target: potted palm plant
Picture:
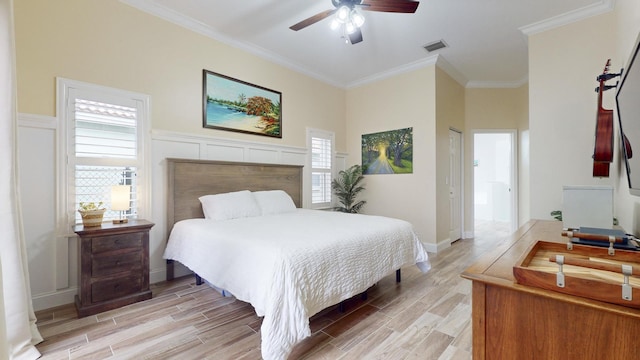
346	187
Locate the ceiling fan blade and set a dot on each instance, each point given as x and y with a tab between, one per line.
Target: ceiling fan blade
397	6
355	37
312	20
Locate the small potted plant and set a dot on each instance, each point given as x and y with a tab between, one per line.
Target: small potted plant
91	213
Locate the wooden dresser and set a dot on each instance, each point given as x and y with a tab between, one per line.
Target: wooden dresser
512	321
114	266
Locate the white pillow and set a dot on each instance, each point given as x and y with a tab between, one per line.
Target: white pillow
274	202
230	205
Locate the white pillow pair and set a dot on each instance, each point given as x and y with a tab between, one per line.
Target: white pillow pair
239	204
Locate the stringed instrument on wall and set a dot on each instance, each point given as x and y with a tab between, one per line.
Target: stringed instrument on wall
603	149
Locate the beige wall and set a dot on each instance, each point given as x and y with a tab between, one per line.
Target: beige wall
109	43
524	175
450	114
563	65
501	109
406	100
431	102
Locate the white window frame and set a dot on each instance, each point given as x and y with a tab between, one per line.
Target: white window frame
323	134
67	90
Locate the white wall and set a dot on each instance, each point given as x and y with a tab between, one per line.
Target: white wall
563	66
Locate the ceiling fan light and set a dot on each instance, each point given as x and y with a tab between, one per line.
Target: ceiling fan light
343	14
357	18
334	25
350	28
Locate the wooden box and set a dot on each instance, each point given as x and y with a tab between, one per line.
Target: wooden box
588	271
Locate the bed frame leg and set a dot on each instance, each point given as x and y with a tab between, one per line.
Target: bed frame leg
398	277
364	296
169	269
341	306
198	280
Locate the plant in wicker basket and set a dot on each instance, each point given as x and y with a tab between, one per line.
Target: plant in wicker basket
91	213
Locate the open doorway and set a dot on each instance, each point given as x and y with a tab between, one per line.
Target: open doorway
494	184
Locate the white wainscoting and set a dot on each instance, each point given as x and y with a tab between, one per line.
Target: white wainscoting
187	146
53	256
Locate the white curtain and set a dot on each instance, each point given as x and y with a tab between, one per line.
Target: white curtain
18	331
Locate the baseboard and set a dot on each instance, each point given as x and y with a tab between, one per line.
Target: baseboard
468	235
434	248
54	299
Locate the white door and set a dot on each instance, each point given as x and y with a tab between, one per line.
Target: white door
455	185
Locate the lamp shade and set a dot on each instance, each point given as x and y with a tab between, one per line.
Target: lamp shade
120	197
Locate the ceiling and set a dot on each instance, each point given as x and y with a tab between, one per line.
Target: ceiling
487	40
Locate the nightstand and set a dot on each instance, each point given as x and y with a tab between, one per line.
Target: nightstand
114	265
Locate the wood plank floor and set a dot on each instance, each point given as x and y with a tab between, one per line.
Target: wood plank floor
426	316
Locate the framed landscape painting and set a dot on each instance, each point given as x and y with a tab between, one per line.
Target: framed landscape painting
235	105
389	152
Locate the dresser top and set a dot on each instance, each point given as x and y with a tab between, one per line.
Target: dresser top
108	227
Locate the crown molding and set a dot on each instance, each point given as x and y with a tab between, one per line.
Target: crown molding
452	71
431	60
602	7
176	18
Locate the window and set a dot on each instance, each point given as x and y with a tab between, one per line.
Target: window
321	145
105	146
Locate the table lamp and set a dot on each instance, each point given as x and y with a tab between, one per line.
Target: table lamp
120	201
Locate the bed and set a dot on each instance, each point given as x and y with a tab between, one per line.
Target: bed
288	263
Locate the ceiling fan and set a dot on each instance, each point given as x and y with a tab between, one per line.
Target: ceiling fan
349	20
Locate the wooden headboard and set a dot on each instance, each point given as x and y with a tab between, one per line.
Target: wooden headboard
190	179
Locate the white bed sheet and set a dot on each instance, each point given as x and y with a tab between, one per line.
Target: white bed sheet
290	266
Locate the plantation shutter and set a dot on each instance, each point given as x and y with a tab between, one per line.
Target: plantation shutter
105	151
321	170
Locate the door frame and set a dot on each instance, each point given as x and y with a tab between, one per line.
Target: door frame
461	181
514	169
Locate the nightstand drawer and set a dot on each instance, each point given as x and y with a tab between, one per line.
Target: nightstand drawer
112	264
115	242
115	288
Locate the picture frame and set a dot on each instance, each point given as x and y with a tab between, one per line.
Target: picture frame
388	152
234	105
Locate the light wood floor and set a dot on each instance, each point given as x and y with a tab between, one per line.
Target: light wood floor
426	316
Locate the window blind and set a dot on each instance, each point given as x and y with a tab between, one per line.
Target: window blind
104	130
321	155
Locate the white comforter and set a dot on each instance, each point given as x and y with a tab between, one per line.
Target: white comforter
290	266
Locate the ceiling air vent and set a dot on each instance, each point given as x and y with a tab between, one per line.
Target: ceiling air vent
436	45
